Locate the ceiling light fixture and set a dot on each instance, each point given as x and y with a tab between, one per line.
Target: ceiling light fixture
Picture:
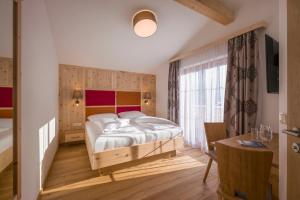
144	23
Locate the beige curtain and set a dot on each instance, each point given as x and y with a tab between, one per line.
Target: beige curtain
241	91
173	92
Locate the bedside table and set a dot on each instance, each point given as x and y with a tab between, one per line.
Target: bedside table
74	135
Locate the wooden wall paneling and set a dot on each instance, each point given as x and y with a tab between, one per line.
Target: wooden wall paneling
77	77
98	79
128	81
6	72
149	85
71	77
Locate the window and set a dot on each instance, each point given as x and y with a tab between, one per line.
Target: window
202	89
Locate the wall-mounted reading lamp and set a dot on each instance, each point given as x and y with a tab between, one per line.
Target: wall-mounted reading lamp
147	97
77	94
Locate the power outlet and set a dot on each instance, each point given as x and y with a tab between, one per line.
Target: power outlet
77	124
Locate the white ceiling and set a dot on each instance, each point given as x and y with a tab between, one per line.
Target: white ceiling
99	33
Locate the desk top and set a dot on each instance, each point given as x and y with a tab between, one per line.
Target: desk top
272	146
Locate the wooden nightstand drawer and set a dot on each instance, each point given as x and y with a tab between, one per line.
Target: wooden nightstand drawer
74	136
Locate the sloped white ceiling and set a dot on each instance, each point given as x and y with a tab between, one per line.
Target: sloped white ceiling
99	33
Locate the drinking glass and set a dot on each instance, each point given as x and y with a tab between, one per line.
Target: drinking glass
265	133
254	133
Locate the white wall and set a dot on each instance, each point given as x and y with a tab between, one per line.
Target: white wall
6	28
283	97
39	81
248	12
162	74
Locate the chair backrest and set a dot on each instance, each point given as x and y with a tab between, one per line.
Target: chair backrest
214	132
244	171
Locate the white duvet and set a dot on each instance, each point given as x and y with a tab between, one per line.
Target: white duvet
136	131
6	134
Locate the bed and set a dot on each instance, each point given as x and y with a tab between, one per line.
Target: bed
131	139
6	142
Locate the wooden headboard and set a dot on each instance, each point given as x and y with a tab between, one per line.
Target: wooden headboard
102	101
6	87
104	91
6	102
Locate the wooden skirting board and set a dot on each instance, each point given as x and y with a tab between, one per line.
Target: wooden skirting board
126	154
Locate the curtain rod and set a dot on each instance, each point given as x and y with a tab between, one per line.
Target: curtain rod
257	25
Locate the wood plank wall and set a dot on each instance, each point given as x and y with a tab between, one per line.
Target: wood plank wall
72	117
6	72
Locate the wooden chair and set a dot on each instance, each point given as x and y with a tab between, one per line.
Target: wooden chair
243	173
213	132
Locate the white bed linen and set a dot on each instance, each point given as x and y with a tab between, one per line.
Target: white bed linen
6	123
6	134
136	132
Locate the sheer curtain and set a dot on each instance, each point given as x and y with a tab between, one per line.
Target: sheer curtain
202	88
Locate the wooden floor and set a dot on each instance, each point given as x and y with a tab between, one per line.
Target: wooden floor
6	184
172	178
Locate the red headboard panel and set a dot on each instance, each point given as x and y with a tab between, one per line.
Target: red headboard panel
6	97
99	98
128	108
100	101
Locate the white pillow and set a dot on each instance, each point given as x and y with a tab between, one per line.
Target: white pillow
131	114
104	115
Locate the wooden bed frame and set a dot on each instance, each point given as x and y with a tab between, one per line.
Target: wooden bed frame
121	155
116	102
6	158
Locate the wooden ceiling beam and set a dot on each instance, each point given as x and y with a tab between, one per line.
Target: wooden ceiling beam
212	9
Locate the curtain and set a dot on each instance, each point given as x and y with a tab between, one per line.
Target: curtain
173	91
202	89
242	84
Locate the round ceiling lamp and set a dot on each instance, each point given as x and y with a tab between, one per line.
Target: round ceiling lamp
144	23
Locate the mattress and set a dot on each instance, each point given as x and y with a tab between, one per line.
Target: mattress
6	134
136	132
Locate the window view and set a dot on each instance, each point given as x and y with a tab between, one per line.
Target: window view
202	89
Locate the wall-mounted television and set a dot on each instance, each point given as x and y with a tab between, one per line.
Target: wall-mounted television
272	62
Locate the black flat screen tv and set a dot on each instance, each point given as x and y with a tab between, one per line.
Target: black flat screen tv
272	62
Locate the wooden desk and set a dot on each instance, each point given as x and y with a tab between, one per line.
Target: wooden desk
272	146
